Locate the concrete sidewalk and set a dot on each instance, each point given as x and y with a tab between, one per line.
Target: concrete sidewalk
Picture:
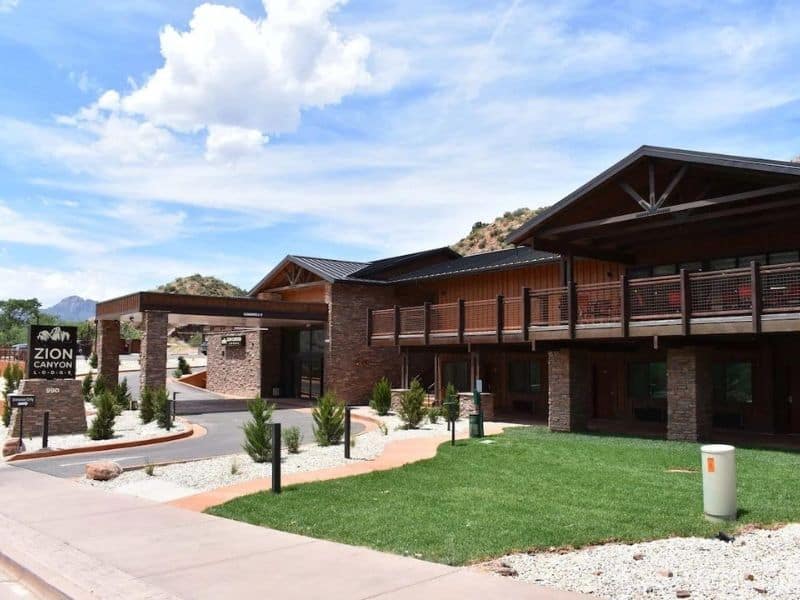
92	544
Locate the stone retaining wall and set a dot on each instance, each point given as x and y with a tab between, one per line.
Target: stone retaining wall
62	397
466	403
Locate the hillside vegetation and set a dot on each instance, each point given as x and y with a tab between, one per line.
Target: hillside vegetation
485	237
199	285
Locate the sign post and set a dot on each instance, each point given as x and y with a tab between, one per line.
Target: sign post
21	401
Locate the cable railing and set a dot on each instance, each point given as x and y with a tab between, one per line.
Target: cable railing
643	302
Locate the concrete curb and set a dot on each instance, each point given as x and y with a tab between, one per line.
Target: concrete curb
33	581
193	429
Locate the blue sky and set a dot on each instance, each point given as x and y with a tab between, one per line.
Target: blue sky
144	140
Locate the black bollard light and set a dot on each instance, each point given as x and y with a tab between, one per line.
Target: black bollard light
46	429
21	421
347	432
276	458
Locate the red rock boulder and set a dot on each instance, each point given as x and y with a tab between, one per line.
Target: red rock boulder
103	470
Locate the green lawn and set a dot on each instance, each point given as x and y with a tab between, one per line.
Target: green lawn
529	489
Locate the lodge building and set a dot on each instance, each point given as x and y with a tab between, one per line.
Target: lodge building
662	296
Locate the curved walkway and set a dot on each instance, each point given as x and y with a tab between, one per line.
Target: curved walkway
395	454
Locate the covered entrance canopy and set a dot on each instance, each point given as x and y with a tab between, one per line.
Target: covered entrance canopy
645	208
156	311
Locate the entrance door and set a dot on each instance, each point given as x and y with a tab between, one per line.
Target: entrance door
606	388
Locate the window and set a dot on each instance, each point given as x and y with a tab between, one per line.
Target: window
745	261
639	272
722	263
647	390
733	382
664	270
779	258
456	373
524	377
691	266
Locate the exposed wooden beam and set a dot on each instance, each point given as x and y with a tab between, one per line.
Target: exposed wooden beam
651	169
633	194
560	247
675	181
678	208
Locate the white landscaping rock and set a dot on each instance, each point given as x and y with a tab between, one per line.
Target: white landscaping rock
208	474
757	564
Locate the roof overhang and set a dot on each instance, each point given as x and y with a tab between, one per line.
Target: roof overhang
212	310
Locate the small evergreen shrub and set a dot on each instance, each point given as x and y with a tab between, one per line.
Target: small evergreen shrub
328	415
451	397
102	427
147	406
162	409
93	360
6	414
234	466
381	400
100	386
177	373
183	366
257	431
122	396
149	469
412	405
434	412
293	439
86	387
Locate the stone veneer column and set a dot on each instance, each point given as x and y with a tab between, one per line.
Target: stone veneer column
108	347
569	387
153	360
689	391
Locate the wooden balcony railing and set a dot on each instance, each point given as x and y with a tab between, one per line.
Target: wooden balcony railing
675	300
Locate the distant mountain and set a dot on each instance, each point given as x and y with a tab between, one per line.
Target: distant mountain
485	237
198	285
72	308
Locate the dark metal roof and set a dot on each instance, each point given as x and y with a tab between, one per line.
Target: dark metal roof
475	263
376	267
329	269
691	156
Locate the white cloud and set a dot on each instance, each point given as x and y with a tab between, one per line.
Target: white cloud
33	231
8	5
227	144
232	71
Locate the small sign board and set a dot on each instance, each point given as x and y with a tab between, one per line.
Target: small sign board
232	340
53	352
21	400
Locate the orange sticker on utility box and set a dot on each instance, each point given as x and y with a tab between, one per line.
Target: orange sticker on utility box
710	465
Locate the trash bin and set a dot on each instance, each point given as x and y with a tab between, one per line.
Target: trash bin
475	425
719	482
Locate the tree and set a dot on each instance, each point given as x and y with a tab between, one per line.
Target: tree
257	431
122	396
15	316
381	397
328	415
146	406
412	405
86	387
102	427
162	409
128	331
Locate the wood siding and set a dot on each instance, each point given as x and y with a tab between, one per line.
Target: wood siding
314	293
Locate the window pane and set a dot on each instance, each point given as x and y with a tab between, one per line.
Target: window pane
639	381
745	261
658	380
664	270
317	340
535	382
518	377
456	373
778	258
692	266
739	383
722	263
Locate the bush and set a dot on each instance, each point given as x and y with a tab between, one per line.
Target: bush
257	431
122	396
412	405
328	417
177	373
100	386
434	412
293	439
147	406
6	414
93	360
183	366
381	400
451	397
196	339
162	409
102	427
86	387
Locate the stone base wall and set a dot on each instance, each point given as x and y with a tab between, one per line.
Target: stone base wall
466	403
62	397
569	389
689	393
108	348
234	370
154	350
351	366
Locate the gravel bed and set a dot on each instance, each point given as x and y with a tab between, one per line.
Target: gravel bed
127	426
759	563
209	474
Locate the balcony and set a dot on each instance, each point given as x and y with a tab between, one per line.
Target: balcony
748	300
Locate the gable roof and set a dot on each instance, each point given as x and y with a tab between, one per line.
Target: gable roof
385	264
475	263
690	156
